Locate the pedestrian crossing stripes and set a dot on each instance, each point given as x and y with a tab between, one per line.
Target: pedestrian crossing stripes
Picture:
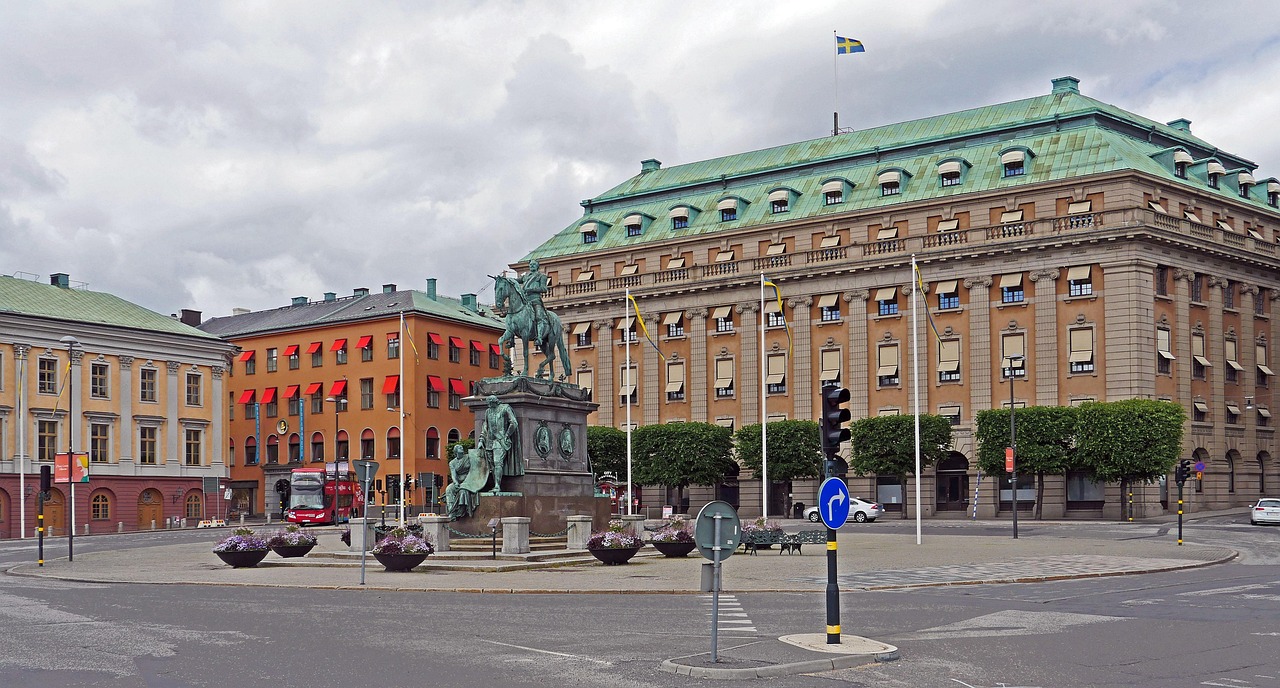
732	619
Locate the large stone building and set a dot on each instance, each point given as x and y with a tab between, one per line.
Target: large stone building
295	364
1120	257
138	392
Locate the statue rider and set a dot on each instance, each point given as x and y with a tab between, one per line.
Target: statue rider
533	284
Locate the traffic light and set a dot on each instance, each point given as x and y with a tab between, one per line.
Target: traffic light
46	478
832	428
408	482
1182	472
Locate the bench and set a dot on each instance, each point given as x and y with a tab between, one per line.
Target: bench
788	542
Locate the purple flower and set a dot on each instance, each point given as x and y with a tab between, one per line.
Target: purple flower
241	543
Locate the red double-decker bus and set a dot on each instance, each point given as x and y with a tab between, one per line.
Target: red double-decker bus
323	496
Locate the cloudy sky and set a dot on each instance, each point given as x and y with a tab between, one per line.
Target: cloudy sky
212	155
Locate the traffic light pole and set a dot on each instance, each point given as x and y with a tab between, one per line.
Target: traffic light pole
1180	484
833	433
833	591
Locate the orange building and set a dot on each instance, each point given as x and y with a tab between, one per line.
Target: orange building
322	379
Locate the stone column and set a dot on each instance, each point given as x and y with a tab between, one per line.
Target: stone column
606	374
217	441
579	531
1048	337
436	530
980	373
1214	351
800	381
515	534
1180	332
749	380
697	387
634	524
173	440
75	407
651	374
856	354
1129	338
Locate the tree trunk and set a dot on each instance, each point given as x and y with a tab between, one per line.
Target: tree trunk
1039	496
902	483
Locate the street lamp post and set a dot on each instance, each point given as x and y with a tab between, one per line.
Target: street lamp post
72	343
1015	363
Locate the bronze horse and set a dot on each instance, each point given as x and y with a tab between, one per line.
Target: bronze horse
520	322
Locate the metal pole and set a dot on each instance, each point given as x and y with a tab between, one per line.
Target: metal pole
1180	513
40	527
71	447
833	591
1013	444
364	525
400	382
764	413
715	591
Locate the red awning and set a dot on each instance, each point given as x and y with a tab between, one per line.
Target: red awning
457	386
291	350
247	356
436	383
391	384
247	397
338	388
338	345
435	338
392	336
364	342
477	346
268	395
315	346
291	391
457	341
314	387
496	348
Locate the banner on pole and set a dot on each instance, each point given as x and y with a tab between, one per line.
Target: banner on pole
79	468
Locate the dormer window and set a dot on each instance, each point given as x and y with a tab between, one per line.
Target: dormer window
633	230
1214	171
890	183
1245	181
949	173
1014	163
833	192
681	216
590	232
728	209
1181	160
1273	194
779	201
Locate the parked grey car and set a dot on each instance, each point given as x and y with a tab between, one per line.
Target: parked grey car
860	510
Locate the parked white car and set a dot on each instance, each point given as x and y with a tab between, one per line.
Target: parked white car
860	510
1265	511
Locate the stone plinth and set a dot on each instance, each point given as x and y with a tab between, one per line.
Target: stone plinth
548	515
435	529
579	532
515	535
368	540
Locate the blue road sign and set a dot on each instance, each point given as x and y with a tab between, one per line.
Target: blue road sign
1199	466
833	502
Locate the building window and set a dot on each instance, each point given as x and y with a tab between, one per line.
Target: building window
272	360
1233	413
590	237
1233	368
1213	180
147	386
1197	288
366	393
1162	281
476	350
829	308
680	222
675	382
46	440
951	413
191	447
728	214
366	351
1079	281
949	360
833	197
1011	288
193	389
194	509
585	380
1013	350
724	378
1164	352
779	206
101	507
291	353
1258	300
495	360
627	385
830	368
1263	377
99	443
433	346
950	178
627	331
270	407
317	403
1273	195
723	315
393	346
1264	417
948	294
317	447
582	334
1229	295
293	404
47	376
1199	364
366	445
674	323
340	352
892	188
633	230
1012	223
887	365
776	374
1081	356
1014	163
887	301
455	394
317	354
250	363
98	381
774	317
147	445
455	350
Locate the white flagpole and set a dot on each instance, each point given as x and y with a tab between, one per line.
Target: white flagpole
626	365
403	437
22	446
764	412
915	382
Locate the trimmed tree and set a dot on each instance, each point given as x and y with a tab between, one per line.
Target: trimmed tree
676	455
794	449
1046	435
885	445
607	449
1130	440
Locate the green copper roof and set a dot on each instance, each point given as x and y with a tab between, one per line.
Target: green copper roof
25	297
1065	133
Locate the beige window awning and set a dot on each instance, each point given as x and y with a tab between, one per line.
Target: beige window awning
776	249
1224	225
779	195
829	241
777	371
948	225
1182	156
887	294
1233	408
1013	345
727	204
1254	233
675	263
628	270
890	177
887	371
830	366
772	307
1078	273
585	379
887	233
1200	406
588	227
581	328
1190	215
949	167
949	350
724	256
1077	207
1235	365
1215	168
1081	345
633	219
724	373
1157	207
672	318
948	287
1245	178
1265	413
1012	157
625	323
1163	346
721	312
675	377
1010	216
1011	280
586	276
680	211
834	186
1273	187
627	390
827	300
1203	361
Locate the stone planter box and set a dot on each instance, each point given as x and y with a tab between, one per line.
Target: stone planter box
242	560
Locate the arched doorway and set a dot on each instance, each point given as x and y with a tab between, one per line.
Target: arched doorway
953	483
194	507
55	513
150	509
5	517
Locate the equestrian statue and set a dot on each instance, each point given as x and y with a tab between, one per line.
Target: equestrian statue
529	320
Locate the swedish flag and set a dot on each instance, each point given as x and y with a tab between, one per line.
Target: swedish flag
846	46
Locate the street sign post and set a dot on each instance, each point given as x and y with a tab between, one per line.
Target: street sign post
717	533
833	502
365	470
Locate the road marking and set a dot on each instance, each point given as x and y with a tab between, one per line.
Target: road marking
1010	622
1224	591
548	652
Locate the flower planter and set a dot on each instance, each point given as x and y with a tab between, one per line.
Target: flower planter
243	559
399	562
614	556
674	549
290	551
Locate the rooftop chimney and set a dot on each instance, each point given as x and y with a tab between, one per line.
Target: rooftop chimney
469	303
1181	124
650	165
330	296
360	291
431	288
1066	84
60	279
190	317
300	301
240	311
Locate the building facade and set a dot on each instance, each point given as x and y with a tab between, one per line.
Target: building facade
1069	251
136	391
322	379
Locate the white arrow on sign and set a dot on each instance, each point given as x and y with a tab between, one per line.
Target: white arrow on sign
837	497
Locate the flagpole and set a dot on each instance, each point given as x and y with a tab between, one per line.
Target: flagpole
626	365
835	83
915	381
22	446
764	415
403	437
